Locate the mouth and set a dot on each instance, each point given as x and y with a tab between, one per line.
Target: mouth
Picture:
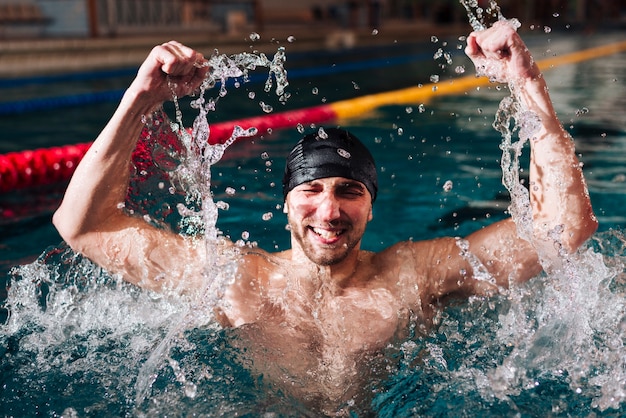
328	236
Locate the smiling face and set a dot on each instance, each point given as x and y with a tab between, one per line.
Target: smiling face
327	218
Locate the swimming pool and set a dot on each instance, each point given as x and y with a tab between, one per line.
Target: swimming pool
79	341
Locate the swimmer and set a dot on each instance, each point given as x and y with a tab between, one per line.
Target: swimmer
314	317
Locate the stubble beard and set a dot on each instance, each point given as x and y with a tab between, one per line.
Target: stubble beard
329	256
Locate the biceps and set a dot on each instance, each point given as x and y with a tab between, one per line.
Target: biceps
487	259
505	256
143	255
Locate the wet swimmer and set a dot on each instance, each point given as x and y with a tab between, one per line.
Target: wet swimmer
314	317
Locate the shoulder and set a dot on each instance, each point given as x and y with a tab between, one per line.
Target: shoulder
418	267
425	254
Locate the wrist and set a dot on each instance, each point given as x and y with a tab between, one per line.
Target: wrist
140	102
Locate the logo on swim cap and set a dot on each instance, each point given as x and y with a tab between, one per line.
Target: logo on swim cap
343	153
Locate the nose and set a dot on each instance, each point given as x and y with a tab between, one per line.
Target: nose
328	207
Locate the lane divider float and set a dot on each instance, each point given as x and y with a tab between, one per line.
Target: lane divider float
50	165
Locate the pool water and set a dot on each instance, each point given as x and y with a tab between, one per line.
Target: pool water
79	342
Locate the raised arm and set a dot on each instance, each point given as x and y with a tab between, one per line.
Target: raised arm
91	218
562	216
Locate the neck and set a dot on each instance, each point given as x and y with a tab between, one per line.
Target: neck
336	274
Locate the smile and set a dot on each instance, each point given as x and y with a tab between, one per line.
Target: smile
327	234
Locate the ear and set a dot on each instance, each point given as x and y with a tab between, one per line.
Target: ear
370	216
285	208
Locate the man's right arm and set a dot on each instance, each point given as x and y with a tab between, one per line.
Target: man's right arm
91	218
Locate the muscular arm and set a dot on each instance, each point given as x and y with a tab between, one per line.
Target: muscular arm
91	219
562	216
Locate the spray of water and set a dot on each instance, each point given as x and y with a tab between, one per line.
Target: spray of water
63	298
479	17
201	212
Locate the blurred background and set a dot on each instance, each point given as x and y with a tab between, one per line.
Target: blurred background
44	27
111	18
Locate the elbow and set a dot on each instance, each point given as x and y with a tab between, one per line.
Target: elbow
67	227
62	226
577	236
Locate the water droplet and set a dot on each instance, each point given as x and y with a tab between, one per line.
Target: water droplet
315	90
265	107
230	191
321	133
434	78
355	85
291	38
400	131
547	29
300	128
265	155
408	110
459	69
267	216
580	112
447	186
251	95
555	14
434	39
255	36
375	32
245	235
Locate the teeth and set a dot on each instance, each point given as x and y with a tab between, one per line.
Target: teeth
324	233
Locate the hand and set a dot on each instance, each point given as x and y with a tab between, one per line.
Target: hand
500	54
170	68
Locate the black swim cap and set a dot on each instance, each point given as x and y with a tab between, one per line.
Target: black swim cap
330	152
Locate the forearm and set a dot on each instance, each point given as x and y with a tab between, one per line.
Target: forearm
100	182
558	192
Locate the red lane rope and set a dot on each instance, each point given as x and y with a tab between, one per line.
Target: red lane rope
39	167
19	170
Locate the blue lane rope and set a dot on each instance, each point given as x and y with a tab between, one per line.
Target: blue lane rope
43	103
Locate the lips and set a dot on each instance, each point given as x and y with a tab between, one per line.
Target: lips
327	235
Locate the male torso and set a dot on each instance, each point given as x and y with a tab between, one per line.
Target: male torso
317	339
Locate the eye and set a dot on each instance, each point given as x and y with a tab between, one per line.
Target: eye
351	190
309	188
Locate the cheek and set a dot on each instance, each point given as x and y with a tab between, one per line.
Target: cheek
298	209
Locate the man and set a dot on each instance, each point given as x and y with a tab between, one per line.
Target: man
315	316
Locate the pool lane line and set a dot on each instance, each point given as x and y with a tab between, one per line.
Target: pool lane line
350	108
584	55
48	165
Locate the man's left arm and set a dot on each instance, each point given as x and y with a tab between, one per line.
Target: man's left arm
562	216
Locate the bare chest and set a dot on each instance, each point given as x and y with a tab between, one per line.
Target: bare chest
347	324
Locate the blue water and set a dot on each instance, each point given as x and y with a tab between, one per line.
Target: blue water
78	340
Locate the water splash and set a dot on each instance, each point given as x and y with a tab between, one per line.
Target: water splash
574	331
479	17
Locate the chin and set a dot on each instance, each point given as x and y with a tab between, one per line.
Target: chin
327	259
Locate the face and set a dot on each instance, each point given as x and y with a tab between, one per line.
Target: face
328	217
